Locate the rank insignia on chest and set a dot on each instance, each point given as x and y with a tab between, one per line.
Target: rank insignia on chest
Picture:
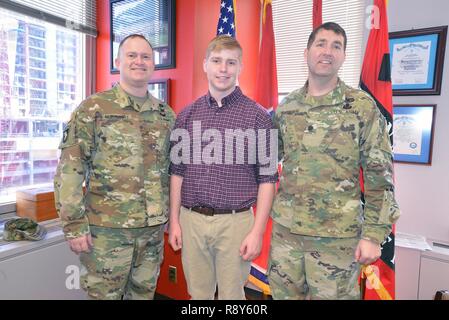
348	103
161	110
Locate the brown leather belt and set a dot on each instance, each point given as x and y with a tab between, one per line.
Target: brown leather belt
211	211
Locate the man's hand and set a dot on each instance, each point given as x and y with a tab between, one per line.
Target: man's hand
251	246
367	252
175	236
81	244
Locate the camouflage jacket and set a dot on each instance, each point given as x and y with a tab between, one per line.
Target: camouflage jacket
323	142
121	154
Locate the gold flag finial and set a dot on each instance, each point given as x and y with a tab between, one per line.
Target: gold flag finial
264	3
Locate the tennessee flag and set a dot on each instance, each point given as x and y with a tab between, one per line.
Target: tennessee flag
267	96
378	279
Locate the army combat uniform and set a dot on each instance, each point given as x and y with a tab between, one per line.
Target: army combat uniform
119	150
318	217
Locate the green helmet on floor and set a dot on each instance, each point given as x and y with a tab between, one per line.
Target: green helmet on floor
23	229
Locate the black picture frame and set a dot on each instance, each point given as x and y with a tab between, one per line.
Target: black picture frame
417	61
413	131
137	16
160	89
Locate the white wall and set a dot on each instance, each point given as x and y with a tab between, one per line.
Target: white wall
422	191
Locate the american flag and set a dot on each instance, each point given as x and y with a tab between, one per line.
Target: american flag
226	21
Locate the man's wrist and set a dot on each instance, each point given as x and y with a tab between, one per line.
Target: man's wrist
371	240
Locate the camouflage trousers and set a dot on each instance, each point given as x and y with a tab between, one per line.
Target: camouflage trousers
123	263
304	267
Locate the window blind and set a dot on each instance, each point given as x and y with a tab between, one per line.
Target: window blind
350	15
292	23
79	15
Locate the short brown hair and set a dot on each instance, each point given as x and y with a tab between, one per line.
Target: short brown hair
223	42
132	36
335	27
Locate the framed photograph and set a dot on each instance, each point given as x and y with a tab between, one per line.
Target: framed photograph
417	58
154	19
413	133
160	89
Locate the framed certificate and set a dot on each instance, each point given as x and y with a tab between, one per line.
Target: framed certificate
154	19
413	133
417	58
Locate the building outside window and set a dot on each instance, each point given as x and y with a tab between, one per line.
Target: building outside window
41	83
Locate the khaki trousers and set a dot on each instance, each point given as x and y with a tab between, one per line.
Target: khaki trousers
210	253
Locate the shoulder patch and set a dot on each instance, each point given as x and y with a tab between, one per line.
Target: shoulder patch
65	134
68	135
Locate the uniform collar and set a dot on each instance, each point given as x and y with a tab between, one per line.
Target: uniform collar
334	97
124	100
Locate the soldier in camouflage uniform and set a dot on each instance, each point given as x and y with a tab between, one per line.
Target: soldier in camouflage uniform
116	143
327	131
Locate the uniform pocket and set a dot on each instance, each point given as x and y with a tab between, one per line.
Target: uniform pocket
317	137
342	143
118	138
335	134
113	127
292	130
390	209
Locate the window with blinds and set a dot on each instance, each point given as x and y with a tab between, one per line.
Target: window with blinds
42	79
79	15
153	19
292	23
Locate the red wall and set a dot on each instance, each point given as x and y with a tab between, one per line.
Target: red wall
206	18
180	82
196	23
